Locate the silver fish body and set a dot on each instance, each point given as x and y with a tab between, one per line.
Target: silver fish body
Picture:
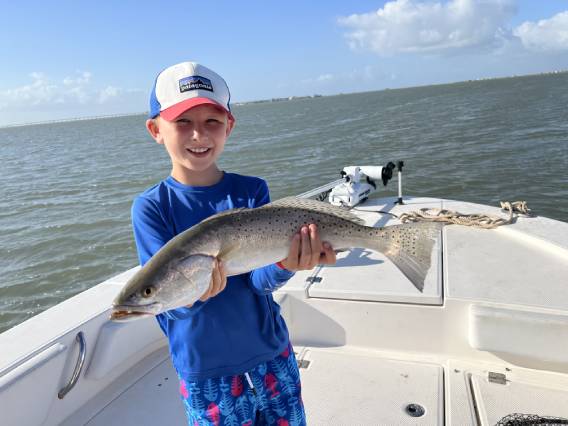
246	239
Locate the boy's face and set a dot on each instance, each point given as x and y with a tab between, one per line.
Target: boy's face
194	141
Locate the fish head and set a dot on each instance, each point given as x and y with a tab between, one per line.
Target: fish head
157	288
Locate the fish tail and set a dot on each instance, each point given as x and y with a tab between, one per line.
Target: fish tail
409	247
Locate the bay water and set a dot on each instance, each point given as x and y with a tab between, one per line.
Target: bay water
67	188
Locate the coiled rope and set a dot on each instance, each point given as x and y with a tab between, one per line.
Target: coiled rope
477	220
518	419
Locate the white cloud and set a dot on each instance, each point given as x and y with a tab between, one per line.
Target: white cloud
412	26
366	73
351	80
41	98
320	79
71	91
83	79
108	93
42	91
325	77
545	35
34	93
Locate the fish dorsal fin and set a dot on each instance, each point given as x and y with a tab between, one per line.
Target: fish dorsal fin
313	205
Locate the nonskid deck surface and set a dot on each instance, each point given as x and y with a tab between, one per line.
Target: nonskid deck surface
346	386
339	388
480	342
154	399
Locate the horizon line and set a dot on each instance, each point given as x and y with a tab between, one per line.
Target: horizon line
292	97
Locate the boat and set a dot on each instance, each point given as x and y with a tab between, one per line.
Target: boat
483	343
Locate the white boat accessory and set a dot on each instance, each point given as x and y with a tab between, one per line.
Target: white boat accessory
358	183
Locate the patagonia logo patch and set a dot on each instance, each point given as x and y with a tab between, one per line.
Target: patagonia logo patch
195	82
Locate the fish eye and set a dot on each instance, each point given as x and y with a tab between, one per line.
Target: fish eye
148	291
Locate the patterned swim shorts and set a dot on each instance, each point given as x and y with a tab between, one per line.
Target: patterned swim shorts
269	394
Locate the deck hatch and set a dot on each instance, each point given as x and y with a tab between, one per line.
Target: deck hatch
365	275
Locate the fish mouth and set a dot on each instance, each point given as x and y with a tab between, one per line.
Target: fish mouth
129	313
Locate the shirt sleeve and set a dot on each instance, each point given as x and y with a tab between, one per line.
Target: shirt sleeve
151	232
150	229
269	278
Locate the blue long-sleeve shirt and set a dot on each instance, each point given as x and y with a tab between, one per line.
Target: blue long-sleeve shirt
241	326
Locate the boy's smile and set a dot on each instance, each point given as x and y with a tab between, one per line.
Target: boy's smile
194	140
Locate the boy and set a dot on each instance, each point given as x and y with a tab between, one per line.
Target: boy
231	348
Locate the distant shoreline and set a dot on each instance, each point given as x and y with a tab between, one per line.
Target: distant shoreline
68	120
283	99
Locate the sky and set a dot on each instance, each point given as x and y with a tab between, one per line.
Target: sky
71	59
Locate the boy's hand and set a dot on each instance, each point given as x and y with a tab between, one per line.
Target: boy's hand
218	282
307	251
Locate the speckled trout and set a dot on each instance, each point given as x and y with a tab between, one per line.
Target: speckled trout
246	239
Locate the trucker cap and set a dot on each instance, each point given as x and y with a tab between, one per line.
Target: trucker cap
184	86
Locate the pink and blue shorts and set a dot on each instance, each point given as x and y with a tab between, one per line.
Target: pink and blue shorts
269	394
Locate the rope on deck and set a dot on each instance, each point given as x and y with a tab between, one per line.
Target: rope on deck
477	220
519	419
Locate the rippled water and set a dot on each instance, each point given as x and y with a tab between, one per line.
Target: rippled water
67	187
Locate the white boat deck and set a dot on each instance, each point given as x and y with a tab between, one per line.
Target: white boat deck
485	339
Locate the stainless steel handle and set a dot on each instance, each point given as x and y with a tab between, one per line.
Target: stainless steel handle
78	366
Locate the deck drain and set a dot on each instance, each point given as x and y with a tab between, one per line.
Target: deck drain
415	410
